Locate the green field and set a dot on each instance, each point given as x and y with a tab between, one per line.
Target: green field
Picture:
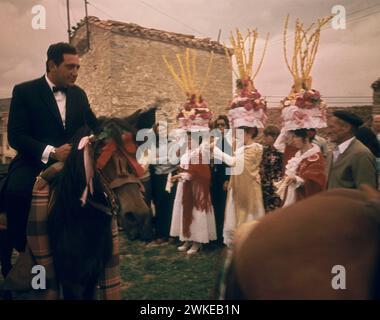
162	272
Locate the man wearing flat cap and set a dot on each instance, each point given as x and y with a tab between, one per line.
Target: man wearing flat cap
351	164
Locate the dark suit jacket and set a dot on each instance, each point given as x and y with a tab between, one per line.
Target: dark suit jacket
35	122
355	166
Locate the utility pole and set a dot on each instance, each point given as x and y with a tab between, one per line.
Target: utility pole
87	26
220	32
68	19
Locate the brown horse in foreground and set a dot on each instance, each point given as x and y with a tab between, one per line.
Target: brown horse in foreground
324	247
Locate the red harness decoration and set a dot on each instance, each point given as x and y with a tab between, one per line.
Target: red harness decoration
128	150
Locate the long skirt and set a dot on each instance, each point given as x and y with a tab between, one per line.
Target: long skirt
202	228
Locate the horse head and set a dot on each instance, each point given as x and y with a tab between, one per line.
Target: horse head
115	153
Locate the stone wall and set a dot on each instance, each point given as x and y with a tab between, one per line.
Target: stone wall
95	71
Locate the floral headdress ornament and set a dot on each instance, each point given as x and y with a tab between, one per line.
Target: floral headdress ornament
306	43
195	112
247	96
303	107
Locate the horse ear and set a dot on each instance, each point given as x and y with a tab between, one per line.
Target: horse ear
147	117
132	119
143	118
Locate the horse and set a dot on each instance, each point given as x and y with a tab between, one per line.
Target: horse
98	181
324	247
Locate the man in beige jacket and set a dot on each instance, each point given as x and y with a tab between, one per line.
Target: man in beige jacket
350	164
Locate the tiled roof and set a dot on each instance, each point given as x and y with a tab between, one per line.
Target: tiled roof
131	29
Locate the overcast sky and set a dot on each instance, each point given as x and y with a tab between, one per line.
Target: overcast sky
348	61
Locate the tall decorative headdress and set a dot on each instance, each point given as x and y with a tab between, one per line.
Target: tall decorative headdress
303	107
248	106
195	114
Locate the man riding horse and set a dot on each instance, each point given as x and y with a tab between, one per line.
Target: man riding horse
44	115
74	236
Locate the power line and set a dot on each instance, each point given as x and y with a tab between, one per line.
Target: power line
291	37
174	19
101	10
157	10
361	18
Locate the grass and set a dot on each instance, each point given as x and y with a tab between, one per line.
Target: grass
163	273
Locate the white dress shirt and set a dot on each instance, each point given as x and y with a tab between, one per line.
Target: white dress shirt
60	97
339	149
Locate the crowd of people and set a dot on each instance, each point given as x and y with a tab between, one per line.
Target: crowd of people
266	181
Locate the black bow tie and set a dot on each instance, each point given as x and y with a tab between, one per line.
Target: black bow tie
61	89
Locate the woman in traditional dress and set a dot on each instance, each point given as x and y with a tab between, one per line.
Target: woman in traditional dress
193	218
302	109
305	172
244	197
247	112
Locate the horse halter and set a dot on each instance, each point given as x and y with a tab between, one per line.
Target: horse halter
128	170
113	206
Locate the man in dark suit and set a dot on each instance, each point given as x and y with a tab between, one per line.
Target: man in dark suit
44	115
351	164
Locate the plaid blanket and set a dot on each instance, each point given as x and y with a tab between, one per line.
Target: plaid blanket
38	243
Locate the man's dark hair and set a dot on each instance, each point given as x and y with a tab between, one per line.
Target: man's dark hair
272	131
56	51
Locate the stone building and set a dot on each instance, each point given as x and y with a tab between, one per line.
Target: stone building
124	69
